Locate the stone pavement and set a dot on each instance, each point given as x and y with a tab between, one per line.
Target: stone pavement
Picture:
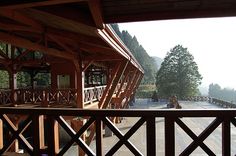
197	125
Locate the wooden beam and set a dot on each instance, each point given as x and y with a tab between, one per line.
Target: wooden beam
20	42
19	17
123	81
70	13
87	65
60	22
115	82
14	27
30	4
132	87
61	44
109	84
104	34
102	58
5	61
24	53
77	37
95	8
27	51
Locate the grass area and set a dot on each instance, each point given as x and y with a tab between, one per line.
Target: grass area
145	91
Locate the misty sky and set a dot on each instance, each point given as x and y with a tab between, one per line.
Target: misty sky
211	41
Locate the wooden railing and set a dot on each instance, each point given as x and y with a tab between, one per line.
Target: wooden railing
49	97
45	96
222	103
92	94
212	100
5	97
101	117
196	98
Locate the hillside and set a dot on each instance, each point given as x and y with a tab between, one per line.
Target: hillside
148	63
158	61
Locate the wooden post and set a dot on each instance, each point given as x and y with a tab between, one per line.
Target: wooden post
169	136
38	133
151	135
1	134
53	136
99	137
13	85
79	85
226	139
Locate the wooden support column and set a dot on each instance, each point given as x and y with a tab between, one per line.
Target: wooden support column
13	85
79	85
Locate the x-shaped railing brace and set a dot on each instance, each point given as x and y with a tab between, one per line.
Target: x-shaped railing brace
124	138
17	133
198	140
75	137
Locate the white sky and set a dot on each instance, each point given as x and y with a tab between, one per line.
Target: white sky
211	41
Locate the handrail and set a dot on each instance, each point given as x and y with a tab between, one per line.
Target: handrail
101	117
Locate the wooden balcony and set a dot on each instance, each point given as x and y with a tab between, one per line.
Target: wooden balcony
43	144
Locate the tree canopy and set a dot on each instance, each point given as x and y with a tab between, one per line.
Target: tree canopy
225	94
178	74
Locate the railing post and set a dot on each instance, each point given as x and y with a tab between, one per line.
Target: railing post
1	134
36	135
98	137
169	136
53	140
151	135
226	140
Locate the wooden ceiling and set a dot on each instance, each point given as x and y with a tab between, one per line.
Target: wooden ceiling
75	29
115	11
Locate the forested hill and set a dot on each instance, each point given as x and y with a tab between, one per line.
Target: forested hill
148	63
158	61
